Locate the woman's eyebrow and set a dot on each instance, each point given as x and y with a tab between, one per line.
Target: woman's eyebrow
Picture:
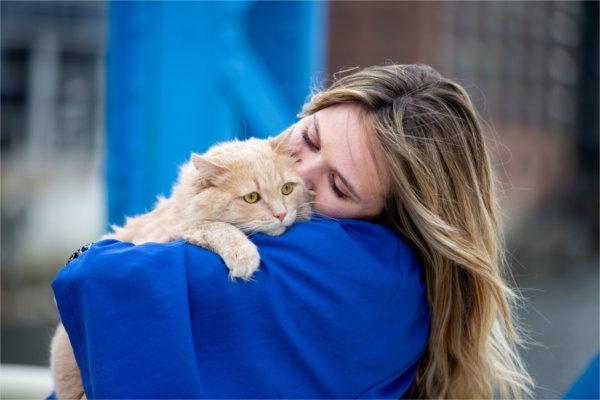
344	180
316	124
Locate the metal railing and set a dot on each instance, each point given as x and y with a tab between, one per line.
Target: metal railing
24	382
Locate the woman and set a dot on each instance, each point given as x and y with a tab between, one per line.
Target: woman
441	199
399	145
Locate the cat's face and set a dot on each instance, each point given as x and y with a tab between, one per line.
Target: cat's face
252	185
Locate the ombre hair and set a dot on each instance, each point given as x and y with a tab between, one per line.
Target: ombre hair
442	200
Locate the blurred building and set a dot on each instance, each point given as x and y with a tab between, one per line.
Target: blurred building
523	64
51	138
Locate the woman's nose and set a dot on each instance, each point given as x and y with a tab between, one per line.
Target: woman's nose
308	168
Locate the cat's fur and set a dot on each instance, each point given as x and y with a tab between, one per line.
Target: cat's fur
207	208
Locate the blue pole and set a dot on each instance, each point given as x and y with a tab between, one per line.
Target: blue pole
184	75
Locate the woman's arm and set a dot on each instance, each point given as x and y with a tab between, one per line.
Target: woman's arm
335	310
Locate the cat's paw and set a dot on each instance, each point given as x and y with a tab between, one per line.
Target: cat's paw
242	260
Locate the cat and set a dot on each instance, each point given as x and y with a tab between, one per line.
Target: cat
235	188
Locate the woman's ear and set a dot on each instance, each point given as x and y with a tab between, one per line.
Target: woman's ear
283	143
207	169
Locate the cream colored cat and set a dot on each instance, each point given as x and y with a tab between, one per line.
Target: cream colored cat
235	188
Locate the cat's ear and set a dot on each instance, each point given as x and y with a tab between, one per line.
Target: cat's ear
207	169
283	143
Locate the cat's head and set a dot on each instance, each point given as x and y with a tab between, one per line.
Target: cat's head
250	184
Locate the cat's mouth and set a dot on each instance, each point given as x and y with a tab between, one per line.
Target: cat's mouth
280	227
270	229
272	226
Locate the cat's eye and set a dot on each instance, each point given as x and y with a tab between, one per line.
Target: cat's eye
287	188
252	197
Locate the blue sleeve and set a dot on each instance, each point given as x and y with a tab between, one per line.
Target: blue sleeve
337	309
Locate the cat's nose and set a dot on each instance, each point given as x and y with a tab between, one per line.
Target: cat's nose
280	216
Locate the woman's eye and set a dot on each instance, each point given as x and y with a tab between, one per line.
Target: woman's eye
334	187
252	197
308	141
287	188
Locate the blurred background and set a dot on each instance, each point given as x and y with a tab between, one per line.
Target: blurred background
101	101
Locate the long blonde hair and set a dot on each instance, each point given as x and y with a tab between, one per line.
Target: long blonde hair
442	200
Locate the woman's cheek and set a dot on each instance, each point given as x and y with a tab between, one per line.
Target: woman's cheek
327	205
320	203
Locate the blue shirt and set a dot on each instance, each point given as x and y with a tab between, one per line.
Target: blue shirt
337	309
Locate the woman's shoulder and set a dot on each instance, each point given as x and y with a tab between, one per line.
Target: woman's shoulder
109	260
347	241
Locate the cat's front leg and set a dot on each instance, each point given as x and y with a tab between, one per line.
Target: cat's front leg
237	251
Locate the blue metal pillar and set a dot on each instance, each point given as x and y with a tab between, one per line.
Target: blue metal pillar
184	75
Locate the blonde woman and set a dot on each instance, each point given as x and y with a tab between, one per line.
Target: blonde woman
397	291
437	192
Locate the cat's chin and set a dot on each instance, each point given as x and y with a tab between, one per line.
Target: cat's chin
276	231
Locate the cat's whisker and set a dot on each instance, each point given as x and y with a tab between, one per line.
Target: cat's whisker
252	227
340	221
328	205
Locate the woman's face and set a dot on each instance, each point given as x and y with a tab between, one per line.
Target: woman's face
337	161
